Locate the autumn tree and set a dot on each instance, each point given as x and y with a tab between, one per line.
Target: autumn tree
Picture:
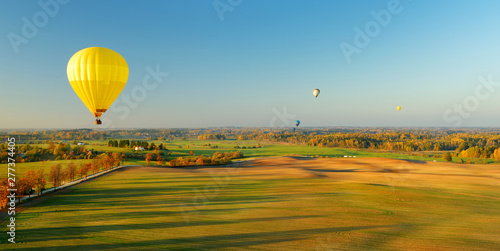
95	165
123	158
447	156
84	170
473	152
117	158
79	150
149	156
30	181
22	186
71	155
496	154
106	161
56	175
3	193
159	160
71	171
199	161
61	149
40	181
51	146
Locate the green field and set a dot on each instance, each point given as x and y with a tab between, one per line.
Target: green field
182	148
197	147
273	204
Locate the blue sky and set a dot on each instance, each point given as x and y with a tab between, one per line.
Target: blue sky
262	58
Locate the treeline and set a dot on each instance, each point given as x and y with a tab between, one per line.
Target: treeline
38	136
211	137
34	181
463	145
482	142
216	159
28	153
42	135
126	143
249	147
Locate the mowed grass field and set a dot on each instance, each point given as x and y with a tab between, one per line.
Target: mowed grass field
282	203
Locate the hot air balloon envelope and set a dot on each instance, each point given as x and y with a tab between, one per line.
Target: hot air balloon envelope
297	122
316	92
97	75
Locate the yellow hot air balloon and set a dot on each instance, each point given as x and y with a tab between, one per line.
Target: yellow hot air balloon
97	75
399	108
316	92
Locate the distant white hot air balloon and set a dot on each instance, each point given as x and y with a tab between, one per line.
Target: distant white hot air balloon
316	92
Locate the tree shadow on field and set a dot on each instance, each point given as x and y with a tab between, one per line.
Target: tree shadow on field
414	161
97	195
66	233
247	199
333	170
233	240
382	239
300	157
376	184
170	181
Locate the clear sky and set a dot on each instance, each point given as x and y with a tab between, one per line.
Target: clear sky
247	62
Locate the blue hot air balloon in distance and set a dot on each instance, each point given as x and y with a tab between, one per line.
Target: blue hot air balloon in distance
293	129
297	122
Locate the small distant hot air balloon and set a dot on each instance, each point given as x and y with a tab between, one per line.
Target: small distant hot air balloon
316	92
293	129
97	75
297	122
399	108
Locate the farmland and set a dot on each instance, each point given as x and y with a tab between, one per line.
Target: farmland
273	203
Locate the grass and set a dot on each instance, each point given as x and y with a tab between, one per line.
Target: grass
278	206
